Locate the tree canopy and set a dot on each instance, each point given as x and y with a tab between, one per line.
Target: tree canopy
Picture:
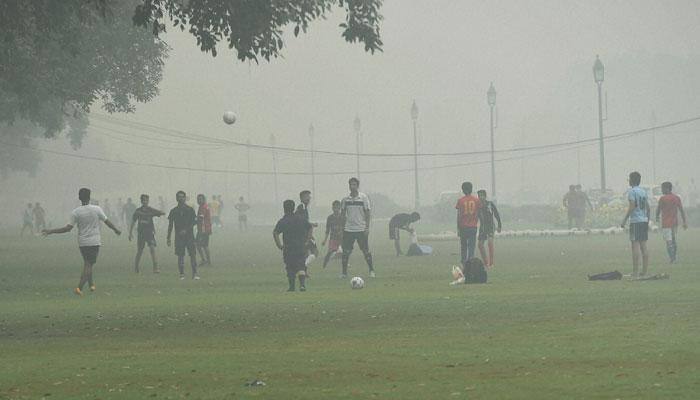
57	58
254	28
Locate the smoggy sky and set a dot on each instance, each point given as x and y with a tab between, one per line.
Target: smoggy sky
443	54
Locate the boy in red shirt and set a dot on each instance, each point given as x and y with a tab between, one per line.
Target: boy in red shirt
203	230
669	206
467	222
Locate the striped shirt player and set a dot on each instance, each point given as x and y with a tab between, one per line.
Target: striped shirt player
356	213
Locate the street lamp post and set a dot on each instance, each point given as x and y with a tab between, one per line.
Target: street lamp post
357	124
598	76
414	117
247	143
491	97
313	166
274	166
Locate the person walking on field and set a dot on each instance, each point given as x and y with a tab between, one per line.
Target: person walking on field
334	232
668	208
570	203
638	215
183	219
27	220
242	208
467	222
87	218
487	229
203	230
145	231
295	231
356	215
39	217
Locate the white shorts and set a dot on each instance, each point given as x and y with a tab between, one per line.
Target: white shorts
668	234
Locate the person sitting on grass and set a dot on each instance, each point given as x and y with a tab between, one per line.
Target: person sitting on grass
87	218
296	232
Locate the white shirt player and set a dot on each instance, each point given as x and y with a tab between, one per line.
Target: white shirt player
354	208
87	219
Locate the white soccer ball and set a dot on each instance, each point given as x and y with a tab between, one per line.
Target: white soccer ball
229	117
357	283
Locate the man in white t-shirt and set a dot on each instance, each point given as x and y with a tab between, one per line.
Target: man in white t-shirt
355	213
87	218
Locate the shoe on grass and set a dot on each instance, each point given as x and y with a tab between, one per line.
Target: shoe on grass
372	274
182	277
93	288
78	292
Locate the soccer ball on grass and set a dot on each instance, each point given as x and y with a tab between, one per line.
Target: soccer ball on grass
357	283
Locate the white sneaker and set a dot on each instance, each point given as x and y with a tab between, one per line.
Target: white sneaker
182	277
196	277
372	274
343	276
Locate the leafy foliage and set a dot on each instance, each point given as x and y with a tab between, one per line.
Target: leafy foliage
254	28
57	58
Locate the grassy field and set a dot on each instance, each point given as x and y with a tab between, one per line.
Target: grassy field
537	330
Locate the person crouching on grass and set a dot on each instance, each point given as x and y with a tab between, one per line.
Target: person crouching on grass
87	218
296	231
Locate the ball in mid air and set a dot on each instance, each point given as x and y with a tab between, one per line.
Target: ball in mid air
229	117
357	283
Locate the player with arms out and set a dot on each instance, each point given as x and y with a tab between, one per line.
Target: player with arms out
638	215
183	218
334	232
142	217
356	215
87	218
487	229
295	231
467	222
668	208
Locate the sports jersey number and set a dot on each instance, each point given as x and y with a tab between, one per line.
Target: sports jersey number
469	207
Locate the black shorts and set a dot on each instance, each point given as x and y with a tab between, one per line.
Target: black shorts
294	263
90	253
394	232
203	239
639	231
146	238
349	239
182	243
486	232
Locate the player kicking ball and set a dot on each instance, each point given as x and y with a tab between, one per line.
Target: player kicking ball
295	231
87	218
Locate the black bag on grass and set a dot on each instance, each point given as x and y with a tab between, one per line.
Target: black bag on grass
474	271
606	276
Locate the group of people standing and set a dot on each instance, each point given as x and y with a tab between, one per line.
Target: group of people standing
576	202
477	218
34	217
349	223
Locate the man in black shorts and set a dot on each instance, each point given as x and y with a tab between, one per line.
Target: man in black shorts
401	221
303	211
145	231
295	231
487	212
355	211
183	219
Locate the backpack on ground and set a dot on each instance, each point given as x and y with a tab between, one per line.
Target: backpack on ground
474	271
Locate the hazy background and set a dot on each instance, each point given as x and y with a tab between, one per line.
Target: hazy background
443	54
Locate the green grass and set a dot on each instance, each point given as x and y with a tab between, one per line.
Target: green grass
537	330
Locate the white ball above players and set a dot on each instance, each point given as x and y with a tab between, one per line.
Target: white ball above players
357	283
229	117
